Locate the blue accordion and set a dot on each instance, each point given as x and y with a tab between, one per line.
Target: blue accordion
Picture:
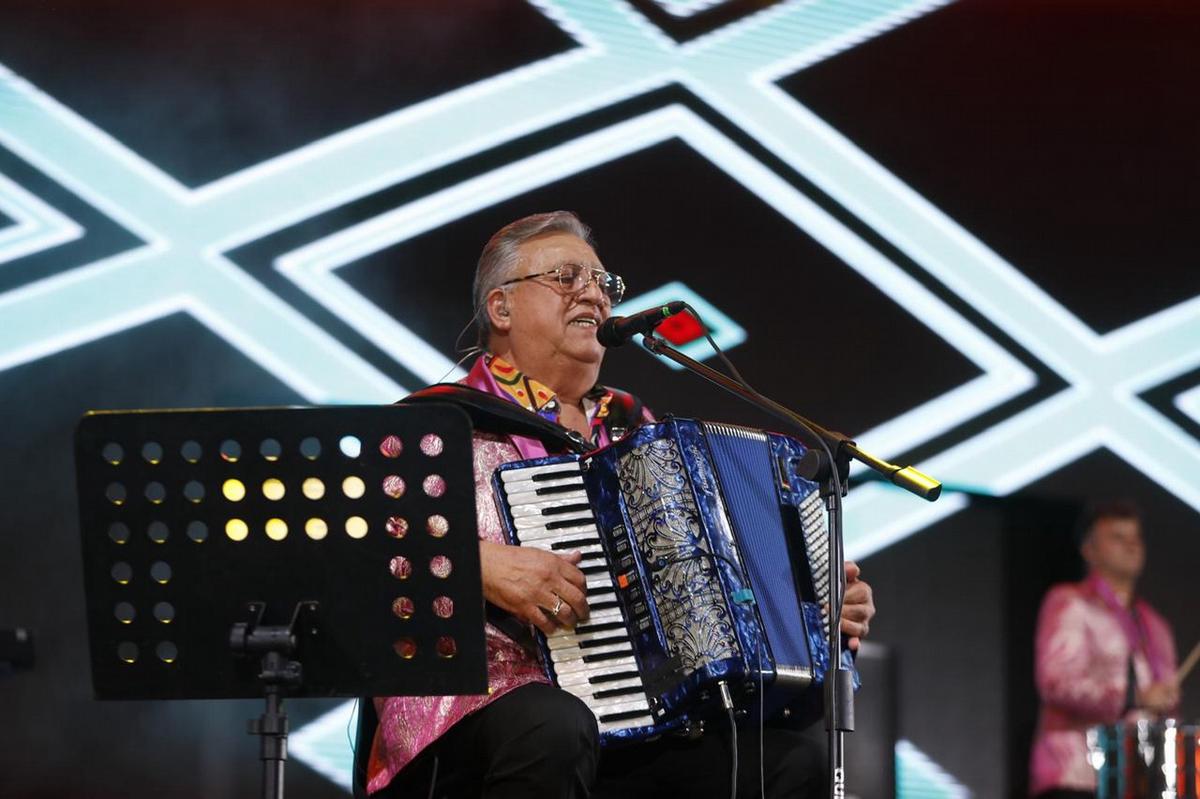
706	561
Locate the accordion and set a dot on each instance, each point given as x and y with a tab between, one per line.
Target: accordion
706	558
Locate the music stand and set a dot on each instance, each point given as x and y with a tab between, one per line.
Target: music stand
306	552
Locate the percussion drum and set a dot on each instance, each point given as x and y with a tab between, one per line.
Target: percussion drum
1143	759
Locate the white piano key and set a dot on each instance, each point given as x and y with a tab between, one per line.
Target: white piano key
602	617
610	596
530	531
573	659
575	653
536	489
531	522
593	554
599	580
510	487
575	639
630	684
626	724
548	503
571	656
620	704
524	499
568	467
605	616
605	667
581	530
630	687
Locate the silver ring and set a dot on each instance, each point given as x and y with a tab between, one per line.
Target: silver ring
557	605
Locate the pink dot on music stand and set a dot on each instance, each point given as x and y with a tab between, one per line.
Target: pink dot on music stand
397	526
432	445
403	607
401	567
437	525
439	566
393	486
391	447
443	607
434	485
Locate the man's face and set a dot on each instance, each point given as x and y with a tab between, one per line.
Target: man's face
1114	548
548	320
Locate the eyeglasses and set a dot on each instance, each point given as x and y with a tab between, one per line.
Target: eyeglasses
574	278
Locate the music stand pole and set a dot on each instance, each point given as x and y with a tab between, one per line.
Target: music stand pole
278	674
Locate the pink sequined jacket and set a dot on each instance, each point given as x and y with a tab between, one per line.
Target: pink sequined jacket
1084	639
409	724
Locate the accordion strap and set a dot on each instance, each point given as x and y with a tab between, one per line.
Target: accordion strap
493	414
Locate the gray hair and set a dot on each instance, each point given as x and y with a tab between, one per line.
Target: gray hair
498	261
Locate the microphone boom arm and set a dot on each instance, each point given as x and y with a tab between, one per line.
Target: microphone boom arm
905	477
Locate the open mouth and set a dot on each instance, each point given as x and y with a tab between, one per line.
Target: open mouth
584	321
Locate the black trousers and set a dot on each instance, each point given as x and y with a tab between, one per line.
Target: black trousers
793	765
540	741
534	741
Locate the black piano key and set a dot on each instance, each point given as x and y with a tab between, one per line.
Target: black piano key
560	509
543	491
564	524
597	569
595	642
606	605
556	474
573	543
634	690
600	589
580	629
628	714
620	675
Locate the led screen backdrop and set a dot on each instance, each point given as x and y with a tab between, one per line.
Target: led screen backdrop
963	233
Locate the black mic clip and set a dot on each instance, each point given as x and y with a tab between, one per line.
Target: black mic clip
616	330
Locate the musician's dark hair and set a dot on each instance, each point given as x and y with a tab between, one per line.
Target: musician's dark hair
1120	508
498	261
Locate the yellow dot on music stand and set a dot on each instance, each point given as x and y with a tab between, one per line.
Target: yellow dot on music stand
273	489
356	527
236	529
234	490
316	529
312	488
276	529
354	487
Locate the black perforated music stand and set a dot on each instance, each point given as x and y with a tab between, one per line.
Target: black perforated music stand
280	551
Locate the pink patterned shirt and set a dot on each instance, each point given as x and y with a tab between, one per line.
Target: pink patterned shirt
408	724
1084	639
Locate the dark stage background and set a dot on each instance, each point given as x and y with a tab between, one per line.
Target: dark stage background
963	233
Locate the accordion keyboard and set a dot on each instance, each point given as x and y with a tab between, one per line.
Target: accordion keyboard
593	660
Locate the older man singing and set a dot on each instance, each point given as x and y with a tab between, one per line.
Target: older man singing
540	293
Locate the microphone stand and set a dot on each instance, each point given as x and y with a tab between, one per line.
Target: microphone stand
827	463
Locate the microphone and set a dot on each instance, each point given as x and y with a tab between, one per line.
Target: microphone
616	330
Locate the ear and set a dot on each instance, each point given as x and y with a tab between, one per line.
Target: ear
497	309
1087	549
